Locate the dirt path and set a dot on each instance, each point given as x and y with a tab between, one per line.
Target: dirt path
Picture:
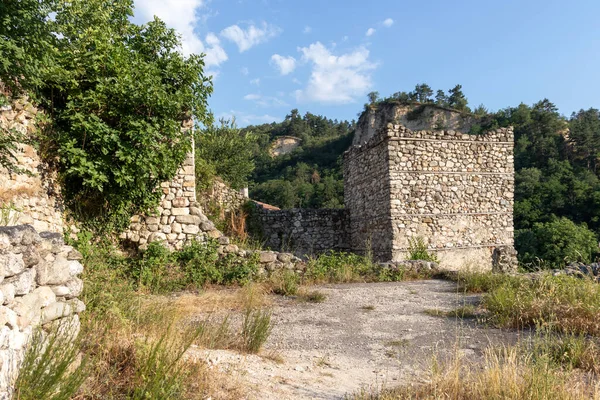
363	335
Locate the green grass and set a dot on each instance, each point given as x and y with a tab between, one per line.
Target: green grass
313	296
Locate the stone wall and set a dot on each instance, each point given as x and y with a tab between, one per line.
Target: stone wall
32	198
225	197
303	231
38	287
367	193
453	189
179	218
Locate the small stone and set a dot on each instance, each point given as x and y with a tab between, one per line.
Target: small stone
267	257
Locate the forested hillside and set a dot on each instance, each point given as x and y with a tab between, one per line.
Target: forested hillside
557	160
311	175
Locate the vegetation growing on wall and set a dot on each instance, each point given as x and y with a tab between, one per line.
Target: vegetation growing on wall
117	94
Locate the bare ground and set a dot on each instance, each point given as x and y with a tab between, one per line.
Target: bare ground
362	336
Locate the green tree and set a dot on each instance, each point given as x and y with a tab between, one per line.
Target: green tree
584	137
557	242
373	97
228	150
119	94
422	93
457	99
441	99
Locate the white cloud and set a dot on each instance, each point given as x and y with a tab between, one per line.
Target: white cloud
285	65
245	71
296	81
265	101
336	79
182	16
307	29
370	32
388	22
243	118
255	82
246	39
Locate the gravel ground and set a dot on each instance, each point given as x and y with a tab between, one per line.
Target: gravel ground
362	336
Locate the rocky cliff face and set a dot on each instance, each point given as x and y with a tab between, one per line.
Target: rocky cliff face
413	117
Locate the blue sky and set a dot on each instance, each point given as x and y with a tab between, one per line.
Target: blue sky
269	56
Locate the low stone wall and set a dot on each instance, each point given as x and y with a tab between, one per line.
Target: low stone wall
226	198
303	231
38	287
32	198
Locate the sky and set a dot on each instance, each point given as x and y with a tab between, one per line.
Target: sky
268	57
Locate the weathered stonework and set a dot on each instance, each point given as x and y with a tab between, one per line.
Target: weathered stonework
453	189
304	231
225	197
32	198
39	286
178	218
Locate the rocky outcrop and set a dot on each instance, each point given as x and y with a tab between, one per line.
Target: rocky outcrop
39	286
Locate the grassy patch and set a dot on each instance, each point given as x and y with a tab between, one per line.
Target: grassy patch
313	296
562	303
466	311
508	373
369	307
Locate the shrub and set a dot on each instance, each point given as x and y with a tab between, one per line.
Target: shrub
556	243
256	328
199	262
338	267
284	282
417	250
51	369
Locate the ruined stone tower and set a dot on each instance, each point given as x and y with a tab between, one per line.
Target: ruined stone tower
415	172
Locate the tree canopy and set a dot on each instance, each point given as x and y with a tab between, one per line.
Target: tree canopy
117	94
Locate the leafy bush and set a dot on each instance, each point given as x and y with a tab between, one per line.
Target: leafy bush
227	151
199	262
338	267
117	94
417	250
557	243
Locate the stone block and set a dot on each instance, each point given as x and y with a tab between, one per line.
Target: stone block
11	264
191	229
267	257
188	219
180	211
55	311
24	282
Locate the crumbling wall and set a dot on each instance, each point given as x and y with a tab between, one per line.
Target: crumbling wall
33	197
39	286
223	196
303	231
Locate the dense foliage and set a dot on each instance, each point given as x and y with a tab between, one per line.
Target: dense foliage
311	175
118	94
225	151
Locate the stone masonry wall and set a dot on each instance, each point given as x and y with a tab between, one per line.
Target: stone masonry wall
367	198
178	218
225	197
38	287
32	198
304	231
454	190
